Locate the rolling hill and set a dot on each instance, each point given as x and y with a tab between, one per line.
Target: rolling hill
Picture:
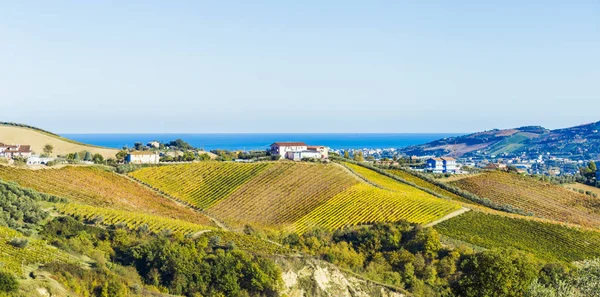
37	138
97	187
292	194
579	142
539	198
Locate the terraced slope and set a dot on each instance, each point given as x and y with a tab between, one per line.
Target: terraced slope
200	184
132	220
544	200
283	193
363	204
96	187
547	241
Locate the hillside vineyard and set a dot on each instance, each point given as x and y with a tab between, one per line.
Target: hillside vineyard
292	195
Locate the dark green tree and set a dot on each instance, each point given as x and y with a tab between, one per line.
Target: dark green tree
496	273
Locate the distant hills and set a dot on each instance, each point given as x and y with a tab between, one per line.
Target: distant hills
579	142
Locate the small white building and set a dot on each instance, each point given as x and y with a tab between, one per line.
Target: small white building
299	155
442	165
153	144
324	151
142	157
38	160
282	148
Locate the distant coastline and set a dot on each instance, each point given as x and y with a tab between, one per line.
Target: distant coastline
259	141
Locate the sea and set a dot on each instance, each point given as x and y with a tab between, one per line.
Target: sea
247	142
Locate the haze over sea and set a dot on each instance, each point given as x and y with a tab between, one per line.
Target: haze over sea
233	141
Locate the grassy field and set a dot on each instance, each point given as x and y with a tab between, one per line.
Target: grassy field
283	193
38	139
547	241
97	187
544	200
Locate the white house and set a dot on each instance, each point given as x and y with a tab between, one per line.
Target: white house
321	149
142	157
37	160
281	148
442	165
299	155
298	150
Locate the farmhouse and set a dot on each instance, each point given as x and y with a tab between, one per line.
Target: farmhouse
442	165
321	149
15	150
298	150
141	157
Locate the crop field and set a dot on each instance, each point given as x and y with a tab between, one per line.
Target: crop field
583	187
94	186
200	184
294	195
378	179
364	204
132	220
427	185
547	241
283	193
544	200
36	252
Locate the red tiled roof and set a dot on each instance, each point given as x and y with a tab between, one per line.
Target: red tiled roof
448	159
289	144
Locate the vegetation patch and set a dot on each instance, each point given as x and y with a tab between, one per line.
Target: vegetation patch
131	220
542	199
547	241
200	184
283	193
98	187
365	204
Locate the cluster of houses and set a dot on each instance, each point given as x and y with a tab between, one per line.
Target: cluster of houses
298	151
15	150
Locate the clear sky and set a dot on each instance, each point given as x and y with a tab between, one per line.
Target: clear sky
299	66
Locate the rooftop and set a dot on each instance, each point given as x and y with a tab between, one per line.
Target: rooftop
141	153
289	144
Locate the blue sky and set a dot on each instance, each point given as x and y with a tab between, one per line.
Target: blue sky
299	66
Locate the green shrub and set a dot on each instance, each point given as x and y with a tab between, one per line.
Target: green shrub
8	282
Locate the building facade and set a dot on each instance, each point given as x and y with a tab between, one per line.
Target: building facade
298	150
141	157
442	165
15	150
282	148
299	155
320	149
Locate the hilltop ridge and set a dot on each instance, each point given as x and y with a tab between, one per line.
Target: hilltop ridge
12	133
579	142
